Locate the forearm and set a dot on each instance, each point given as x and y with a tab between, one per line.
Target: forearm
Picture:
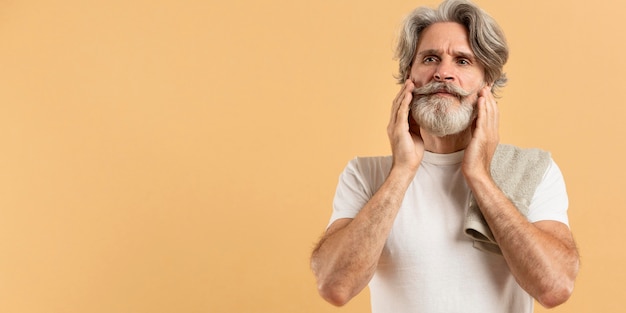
346	257
544	262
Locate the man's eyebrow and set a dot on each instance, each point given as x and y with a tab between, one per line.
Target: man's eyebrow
467	55
429	52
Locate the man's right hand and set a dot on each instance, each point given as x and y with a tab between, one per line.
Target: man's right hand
407	145
346	258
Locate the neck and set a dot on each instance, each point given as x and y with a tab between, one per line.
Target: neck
446	144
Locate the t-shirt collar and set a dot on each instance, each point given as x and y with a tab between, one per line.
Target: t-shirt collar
443	159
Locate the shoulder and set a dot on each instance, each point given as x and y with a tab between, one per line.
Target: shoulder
518	171
509	158
371	163
509	153
369	171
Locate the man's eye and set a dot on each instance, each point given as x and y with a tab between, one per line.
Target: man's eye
463	62
430	59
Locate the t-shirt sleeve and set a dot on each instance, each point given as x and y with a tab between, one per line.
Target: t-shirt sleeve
352	193
550	200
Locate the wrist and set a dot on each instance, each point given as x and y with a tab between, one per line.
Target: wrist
403	172
478	179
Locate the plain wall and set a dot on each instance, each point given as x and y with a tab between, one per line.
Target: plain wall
182	156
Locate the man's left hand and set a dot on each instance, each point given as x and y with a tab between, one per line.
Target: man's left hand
485	136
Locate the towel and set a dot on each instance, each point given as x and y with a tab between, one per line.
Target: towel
517	172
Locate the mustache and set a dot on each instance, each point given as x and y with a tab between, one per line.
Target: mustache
435	87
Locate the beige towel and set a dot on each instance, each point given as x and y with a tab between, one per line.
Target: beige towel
517	172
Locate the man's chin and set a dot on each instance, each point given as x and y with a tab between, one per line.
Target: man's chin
447	132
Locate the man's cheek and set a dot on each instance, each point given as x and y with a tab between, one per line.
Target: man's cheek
473	99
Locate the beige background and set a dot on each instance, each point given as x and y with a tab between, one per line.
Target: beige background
181	156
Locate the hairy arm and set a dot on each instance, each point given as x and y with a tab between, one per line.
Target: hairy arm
542	256
346	257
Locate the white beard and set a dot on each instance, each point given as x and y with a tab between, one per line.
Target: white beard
438	115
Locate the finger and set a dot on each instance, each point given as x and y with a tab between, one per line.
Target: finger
490	104
488	114
492	107
408	96
481	112
399	111
402	93
395	108
398	99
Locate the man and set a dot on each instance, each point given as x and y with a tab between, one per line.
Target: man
452	221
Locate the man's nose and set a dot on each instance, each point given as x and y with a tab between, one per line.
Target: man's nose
444	72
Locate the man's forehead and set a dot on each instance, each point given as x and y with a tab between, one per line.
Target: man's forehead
448	37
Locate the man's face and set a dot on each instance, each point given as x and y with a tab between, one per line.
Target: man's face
447	77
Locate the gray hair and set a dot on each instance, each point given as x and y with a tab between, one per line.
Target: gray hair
485	36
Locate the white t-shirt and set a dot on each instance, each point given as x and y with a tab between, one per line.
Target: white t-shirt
428	263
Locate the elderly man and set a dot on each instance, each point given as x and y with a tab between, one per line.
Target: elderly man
452	221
